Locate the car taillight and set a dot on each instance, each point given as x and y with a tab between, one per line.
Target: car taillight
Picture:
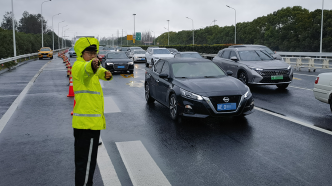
317	79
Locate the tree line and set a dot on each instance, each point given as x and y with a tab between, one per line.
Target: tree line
27	34
288	29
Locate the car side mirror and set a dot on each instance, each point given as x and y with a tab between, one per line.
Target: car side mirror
38	50
233	58
229	73
276	56
164	76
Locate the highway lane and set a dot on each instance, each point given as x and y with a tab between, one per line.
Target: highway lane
37	143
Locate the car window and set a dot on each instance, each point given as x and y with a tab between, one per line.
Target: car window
139	52
220	53
226	54
165	69
45	49
232	54
196	70
254	55
191	55
117	55
158	66
161	51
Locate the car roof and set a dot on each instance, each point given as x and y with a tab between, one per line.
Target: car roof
157	48
243	48
188	52
186	60
240	46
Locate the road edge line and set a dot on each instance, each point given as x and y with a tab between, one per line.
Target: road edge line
6	117
295	121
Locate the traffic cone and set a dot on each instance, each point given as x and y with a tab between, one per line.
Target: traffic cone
71	89
72	112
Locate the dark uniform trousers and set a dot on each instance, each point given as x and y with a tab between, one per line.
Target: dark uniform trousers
86	149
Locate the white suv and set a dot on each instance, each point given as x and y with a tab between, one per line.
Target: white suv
323	88
154	54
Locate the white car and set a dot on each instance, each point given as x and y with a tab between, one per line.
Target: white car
323	88
154	54
138	55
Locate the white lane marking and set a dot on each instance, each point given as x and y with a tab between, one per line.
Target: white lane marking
110	106
300	88
101	83
305	75
8	95
106	168
142	169
295	121
5	118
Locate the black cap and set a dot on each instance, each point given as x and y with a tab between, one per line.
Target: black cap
90	48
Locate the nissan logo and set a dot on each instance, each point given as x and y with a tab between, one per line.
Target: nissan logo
226	99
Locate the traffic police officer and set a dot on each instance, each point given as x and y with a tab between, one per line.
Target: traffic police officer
88	118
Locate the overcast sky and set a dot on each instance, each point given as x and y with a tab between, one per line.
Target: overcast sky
104	17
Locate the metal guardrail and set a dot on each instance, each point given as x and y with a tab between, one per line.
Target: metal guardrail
23	56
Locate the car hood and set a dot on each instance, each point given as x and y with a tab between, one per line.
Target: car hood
212	86
139	55
163	55
118	60
273	64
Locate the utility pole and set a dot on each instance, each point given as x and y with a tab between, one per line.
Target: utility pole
168	32
41	13
134	28
214	22
193	30
14	40
321	30
235	23
53	29
122	38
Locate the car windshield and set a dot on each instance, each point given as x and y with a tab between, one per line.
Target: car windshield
72	49
161	51
254	55
103	52
191	55
117	55
267	50
124	48
136	48
108	48
196	70
139	52
172	50
45	49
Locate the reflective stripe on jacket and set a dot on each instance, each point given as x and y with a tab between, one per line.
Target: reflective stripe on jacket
89	108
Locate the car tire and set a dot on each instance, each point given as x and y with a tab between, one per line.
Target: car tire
40	58
331	104
242	76
173	108
282	86
148	98
51	57
146	64
131	71
70	56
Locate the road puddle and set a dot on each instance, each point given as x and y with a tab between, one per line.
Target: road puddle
136	83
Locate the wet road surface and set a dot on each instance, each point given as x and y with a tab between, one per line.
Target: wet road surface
37	142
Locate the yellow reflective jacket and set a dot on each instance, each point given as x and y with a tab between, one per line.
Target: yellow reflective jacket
89	108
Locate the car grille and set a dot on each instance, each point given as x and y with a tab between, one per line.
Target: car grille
266	74
215	100
44	53
116	66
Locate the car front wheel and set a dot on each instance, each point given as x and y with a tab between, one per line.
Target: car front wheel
331	104
173	108
282	86
148	98
243	77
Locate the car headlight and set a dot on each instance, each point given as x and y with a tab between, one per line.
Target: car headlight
109	63
130	63
187	94
289	67
247	94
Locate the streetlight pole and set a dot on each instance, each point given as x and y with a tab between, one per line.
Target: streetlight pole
168	32
62	36
193	30
321	30
154	38
59	34
53	29
13	22
41	13
134	27
65	35
235	22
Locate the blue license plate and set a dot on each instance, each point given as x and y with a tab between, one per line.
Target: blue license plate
142	58
226	106
121	66
44	55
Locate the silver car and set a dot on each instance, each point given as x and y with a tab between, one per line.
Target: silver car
254	66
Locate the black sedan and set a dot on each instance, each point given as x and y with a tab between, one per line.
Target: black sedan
118	61
196	88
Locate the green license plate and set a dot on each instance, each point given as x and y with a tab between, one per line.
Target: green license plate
277	77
